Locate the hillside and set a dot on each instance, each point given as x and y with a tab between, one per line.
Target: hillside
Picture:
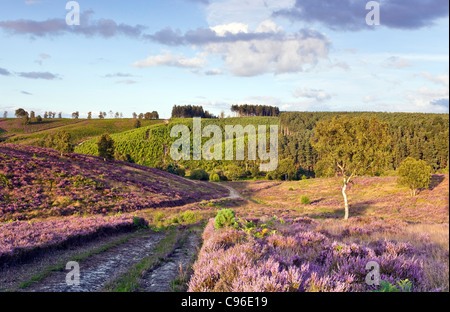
13	131
38	183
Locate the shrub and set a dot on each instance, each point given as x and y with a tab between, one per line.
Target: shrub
304	200
225	217
214	177
159	216
414	174
180	171
140	223
304	177
188	217
199	174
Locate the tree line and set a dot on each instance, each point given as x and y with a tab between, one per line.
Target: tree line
190	111
247	110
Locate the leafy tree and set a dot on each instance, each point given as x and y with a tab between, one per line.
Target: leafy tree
5	114
39	119
141	116
134	115
105	146
32	115
148	116
199	174
287	170
75	115
60	115
100	115
414	174
89	116
155	115
235	172
62	142
352	146
20	113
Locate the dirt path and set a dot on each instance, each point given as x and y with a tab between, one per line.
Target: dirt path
176	267
233	193
98	269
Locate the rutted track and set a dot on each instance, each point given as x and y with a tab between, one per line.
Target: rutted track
179	262
98	269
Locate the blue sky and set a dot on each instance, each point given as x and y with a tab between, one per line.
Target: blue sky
304	55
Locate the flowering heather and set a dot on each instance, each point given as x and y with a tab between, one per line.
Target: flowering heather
303	257
21	237
38	183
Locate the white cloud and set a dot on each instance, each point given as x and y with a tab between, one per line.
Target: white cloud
318	95
283	53
168	59
233	28
438	79
396	62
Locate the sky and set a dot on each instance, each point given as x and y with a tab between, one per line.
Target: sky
300	55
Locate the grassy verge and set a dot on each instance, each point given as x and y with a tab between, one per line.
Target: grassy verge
180	283
130	281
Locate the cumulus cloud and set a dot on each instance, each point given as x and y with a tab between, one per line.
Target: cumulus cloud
429	99
318	95
168	59
213	72
55	27
441	102
267	49
351	15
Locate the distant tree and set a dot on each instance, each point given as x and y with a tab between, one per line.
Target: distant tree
141	116
89	116
352	146
105	146
222	114
286	170
148	116
5	114
62	142
137	123
46	115
155	115
39	119
134	115
121	115
235	172
60	115
20	113
32	115
111	114
414	174
117	115
75	115
100	115
23	114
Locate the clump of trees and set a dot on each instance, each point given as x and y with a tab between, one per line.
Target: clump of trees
60	141
352	146
415	174
255	110
189	111
105	145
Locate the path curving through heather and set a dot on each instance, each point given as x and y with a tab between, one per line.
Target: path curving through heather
233	193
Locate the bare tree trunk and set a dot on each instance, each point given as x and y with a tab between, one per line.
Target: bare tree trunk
344	188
